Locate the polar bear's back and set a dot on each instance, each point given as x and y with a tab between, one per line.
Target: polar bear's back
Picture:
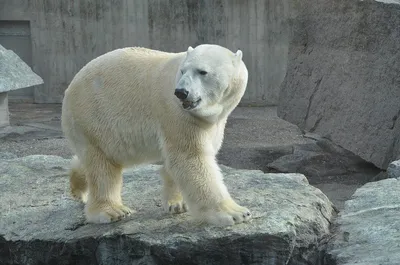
133	73
121	67
121	93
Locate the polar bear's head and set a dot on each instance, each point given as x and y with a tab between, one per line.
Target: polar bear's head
211	80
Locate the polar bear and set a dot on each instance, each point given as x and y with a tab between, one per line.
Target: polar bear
136	105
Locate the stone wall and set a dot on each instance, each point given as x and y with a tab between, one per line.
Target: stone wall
67	34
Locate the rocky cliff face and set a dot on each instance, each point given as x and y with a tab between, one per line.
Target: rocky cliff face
343	79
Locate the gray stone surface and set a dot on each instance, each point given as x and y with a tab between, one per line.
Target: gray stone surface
368	229
40	224
393	170
342	79
15	73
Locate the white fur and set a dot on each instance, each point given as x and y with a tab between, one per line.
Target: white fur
120	110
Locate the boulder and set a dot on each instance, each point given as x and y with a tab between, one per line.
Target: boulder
14	74
41	224
342	79
367	230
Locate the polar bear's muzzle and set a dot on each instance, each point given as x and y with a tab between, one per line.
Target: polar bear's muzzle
187	103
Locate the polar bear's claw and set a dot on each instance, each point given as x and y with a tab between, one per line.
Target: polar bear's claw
175	205
228	213
107	214
178	207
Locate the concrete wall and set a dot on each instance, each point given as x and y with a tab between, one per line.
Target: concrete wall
67	34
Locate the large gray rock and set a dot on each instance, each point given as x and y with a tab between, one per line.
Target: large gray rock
343	79
368	229
40	224
15	73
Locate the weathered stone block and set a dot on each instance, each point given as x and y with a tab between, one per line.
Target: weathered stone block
41	224
343	79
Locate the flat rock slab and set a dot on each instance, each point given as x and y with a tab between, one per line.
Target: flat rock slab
41	224
368	229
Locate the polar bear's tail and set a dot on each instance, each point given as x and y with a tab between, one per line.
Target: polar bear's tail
77	180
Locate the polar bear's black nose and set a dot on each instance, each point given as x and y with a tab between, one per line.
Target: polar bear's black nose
181	93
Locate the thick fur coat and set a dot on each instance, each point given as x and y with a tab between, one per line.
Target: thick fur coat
135	105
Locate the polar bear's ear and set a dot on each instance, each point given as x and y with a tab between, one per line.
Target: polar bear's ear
239	55
190	49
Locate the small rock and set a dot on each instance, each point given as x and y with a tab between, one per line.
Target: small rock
393	169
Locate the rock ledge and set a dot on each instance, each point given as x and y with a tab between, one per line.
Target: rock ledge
40	224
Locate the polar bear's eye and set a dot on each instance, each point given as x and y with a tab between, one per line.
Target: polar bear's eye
202	72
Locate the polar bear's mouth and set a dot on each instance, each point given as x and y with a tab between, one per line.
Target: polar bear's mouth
188	105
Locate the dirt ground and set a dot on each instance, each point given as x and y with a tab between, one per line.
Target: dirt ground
254	137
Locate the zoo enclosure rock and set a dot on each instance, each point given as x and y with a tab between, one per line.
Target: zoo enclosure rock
342	80
368	228
14	74
40	224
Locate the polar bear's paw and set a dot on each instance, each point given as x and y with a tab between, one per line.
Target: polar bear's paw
227	213
101	214
175	204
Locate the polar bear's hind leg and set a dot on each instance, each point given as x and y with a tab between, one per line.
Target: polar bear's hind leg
77	181
104	179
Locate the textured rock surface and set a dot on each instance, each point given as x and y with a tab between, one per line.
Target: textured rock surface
368	229
15	73
40	224
343	79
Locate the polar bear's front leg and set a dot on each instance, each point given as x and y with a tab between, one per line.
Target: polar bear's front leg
201	183
172	197
104	203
